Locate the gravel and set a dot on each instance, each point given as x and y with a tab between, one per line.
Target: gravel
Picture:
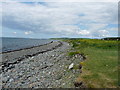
44	70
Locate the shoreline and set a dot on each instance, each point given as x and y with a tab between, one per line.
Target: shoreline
9	58
49	69
25	48
43	70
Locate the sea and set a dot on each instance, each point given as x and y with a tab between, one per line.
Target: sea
11	44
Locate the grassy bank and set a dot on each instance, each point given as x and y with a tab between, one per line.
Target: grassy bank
100	69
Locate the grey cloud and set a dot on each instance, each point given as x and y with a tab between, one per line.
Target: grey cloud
58	18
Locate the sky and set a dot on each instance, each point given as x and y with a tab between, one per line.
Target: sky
59	19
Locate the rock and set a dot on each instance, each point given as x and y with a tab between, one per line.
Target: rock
0	67
80	66
78	84
80	71
11	80
76	56
63	84
71	66
32	57
33	79
5	79
58	77
81	58
28	71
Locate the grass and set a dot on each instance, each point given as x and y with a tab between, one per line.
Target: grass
101	67
73	53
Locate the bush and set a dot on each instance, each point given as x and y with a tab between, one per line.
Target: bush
103	44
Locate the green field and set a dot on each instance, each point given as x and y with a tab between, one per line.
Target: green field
100	69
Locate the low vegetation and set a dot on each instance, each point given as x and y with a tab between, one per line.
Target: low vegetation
100	69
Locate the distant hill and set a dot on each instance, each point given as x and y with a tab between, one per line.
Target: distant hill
107	38
111	38
68	38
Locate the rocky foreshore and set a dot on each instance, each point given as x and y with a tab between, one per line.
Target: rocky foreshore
40	67
13	57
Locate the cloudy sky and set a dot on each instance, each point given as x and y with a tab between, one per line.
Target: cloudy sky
59	19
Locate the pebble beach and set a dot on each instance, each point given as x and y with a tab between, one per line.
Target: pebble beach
44	66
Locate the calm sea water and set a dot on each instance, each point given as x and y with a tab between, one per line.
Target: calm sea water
10	44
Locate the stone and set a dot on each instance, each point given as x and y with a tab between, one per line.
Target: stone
80	66
71	66
78	84
26	72
10	80
5	79
63	83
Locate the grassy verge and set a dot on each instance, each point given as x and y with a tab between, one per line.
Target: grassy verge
100	70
